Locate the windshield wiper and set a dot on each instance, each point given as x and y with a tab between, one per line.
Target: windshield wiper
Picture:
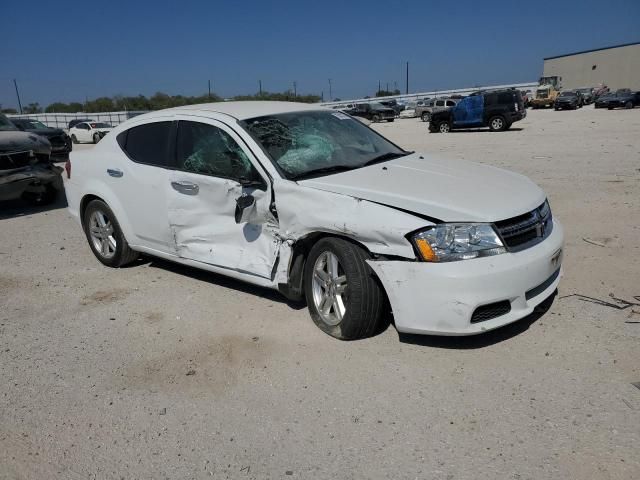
320	171
384	157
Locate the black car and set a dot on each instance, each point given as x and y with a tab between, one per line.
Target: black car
375	112
496	109
73	123
60	142
623	98
25	168
392	104
569	100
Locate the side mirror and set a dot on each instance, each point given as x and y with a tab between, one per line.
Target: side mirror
244	208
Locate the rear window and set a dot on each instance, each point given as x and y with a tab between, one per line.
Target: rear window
147	143
505	97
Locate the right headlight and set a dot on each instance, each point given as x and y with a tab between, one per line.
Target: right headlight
448	242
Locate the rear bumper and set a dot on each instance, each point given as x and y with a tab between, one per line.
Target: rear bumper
441	299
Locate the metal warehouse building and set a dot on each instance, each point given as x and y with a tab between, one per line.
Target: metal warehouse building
616	67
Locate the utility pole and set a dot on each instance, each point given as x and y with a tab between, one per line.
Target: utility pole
330	92
407	91
260	86
15	84
379	87
295	91
209	89
387	87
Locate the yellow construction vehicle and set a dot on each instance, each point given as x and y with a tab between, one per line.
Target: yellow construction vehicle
547	91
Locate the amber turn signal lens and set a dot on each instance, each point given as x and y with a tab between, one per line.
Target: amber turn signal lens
425	250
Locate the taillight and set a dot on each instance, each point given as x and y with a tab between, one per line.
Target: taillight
67	167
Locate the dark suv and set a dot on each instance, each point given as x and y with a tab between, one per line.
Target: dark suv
376	112
496	109
60	141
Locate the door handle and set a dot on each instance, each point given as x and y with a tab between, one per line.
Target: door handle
114	172
187	188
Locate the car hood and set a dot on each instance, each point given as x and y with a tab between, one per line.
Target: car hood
16	141
49	132
567	99
447	190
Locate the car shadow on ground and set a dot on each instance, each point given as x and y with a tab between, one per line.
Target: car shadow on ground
21	208
486	130
218	280
484	339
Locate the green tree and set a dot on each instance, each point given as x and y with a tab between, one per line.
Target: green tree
32	108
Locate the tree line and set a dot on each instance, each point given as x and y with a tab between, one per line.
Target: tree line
157	101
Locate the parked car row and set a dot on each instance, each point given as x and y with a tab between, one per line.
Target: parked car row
621	98
26	171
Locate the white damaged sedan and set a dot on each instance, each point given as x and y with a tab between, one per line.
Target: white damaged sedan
313	203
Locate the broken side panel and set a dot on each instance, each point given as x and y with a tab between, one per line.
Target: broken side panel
201	217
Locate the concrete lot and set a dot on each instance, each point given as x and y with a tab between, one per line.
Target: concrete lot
160	371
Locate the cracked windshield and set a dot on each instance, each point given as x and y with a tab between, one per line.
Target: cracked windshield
306	144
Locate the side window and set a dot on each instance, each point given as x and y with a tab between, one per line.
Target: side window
490	99
148	143
208	150
451	103
82	126
440	103
505	98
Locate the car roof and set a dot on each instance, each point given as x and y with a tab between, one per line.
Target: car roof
249	109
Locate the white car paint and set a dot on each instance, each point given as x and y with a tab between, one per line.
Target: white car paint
377	206
84	132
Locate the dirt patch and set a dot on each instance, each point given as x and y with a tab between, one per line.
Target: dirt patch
105	296
213	365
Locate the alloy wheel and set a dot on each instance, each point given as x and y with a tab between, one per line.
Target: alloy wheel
329	286
101	233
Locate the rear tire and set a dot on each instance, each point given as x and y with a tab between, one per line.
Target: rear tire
628	105
375	118
337	268
74	139
497	123
105	236
96	137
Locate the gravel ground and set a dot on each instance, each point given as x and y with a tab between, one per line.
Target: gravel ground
161	371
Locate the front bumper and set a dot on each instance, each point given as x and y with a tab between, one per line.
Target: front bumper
441	298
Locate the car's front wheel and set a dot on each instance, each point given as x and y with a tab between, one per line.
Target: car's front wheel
444	127
345	299
628	105
105	236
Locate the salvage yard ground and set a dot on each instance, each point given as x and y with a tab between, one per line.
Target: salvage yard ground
162	371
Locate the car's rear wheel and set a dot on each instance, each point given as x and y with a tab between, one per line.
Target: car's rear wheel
497	124
74	139
345	299
105	236
444	127
375	118
628	105
96	137
426	116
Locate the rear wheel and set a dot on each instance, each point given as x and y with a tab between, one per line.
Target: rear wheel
375	118
628	105
74	139
497	124
96	137
105	236
344	297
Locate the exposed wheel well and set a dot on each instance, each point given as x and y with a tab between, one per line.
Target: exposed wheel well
84	202
294	289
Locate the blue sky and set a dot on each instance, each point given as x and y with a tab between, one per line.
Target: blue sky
71	50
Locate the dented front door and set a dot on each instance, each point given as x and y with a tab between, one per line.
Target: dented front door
202	193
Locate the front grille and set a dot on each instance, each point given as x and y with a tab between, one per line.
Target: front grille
526	230
492	310
9	161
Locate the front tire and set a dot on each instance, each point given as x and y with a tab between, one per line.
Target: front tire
375	118
344	297
628	105
105	236
444	127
